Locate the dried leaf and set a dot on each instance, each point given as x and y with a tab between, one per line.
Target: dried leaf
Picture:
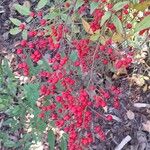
117	37
130	115
86	26
145	88
146	126
140	6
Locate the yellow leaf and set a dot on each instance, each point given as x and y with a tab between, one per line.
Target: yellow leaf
141	6
86	26
119	38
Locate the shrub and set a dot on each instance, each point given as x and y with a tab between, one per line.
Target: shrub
72	50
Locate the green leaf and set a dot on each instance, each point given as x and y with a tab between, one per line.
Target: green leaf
41	4
79	3
93	6
144	24
63	144
15	21
7	70
29	19
31	93
23	10
94	37
9	144
14	31
73	56
51	15
51	139
118	6
117	24
24	34
105	17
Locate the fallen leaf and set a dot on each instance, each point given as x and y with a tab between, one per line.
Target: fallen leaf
140	6
145	88
119	38
146	126
130	115
87	27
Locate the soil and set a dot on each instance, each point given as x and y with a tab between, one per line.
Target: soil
140	138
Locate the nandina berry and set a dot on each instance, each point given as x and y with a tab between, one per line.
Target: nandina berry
19	51
125	11
39	14
67	4
23	43
126	6
43	22
22	26
32	14
102	48
109	6
109	51
129	25
109	117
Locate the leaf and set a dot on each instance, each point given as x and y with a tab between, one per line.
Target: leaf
130	115
119	37
93	6
73	56
14	31
94	37
144	24
51	15
23	10
51	139
63	144
32	93
86	26
146	126
140	6
117	24
105	17
118	6
24	34
9	144
41	4
15	21
78	4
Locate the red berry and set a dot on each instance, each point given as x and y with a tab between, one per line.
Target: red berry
32	14
129	25
22	26
109	118
126	11
19	51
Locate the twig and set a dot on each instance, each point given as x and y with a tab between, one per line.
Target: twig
123	142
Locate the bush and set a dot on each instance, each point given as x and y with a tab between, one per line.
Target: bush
72	49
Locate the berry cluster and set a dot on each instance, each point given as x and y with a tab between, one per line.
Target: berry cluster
73	109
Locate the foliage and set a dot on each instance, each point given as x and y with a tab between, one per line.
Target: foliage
65	46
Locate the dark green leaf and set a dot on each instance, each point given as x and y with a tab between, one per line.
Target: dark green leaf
14	31
63	144
93	6
117	24
23	10
31	93
73	56
9	144
144	24
105	17
79	3
51	139
118	6
15	21
24	34
41	4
